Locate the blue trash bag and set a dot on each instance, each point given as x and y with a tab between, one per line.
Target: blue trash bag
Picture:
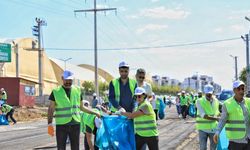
223	141
191	110
162	109
3	120
116	133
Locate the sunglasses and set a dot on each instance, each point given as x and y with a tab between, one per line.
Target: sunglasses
140	77
138	96
243	89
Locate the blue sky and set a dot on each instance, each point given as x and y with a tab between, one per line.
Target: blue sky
139	23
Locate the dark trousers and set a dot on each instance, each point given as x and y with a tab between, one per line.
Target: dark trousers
184	109
156	114
71	131
152	142
11	116
239	146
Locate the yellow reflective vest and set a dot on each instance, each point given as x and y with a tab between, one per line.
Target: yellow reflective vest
66	108
210	110
145	125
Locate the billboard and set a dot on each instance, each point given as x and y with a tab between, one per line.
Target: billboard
5	52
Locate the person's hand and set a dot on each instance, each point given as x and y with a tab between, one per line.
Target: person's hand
117	113
51	130
215	138
98	115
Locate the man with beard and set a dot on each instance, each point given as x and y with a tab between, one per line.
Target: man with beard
67	103
235	115
121	90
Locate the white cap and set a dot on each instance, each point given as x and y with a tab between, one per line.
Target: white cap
139	91
183	92
94	94
178	94
123	64
237	83
67	75
2	89
98	122
208	89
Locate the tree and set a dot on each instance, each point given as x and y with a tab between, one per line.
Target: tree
89	87
243	75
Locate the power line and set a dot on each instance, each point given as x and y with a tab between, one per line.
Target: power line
147	47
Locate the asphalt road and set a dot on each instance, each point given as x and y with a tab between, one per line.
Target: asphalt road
174	134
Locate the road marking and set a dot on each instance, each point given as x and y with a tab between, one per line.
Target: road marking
12	128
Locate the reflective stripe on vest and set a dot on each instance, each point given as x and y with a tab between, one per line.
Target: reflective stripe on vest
235	125
66	108
205	124
116	84
145	125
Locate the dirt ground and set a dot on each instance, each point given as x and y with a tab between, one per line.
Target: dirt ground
27	114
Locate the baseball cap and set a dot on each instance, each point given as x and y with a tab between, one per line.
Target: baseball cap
94	94
237	83
183	92
67	75
208	89
139	91
123	64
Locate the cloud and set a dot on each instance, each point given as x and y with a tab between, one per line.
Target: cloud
162	13
151	27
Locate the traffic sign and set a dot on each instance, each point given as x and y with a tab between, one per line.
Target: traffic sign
5	52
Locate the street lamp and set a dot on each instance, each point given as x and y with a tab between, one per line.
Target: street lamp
246	39
236	66
65	61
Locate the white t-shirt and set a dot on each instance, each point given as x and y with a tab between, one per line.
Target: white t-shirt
147	88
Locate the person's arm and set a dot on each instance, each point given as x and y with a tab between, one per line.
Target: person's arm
150	97
222	122
88	110
133	114
112	99
51	110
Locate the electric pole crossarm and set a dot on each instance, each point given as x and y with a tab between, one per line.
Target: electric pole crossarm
91	10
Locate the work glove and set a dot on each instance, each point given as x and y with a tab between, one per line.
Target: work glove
51	130
122	110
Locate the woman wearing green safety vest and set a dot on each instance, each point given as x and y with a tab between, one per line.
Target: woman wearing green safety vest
184	104
9	112
207	117
146	131
235	118
66	102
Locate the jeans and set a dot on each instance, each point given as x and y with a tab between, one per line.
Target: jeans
203	136
152	142
71	131
178	108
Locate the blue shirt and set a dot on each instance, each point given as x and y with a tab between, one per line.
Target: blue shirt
126	99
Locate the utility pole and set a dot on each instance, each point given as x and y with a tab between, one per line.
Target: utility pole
235	66
246	39
15	47
37	32
95	10
65	61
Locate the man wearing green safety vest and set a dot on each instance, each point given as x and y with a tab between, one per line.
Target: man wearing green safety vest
121	90
184	104
67	103
9	111
235	117
207	117
146	131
